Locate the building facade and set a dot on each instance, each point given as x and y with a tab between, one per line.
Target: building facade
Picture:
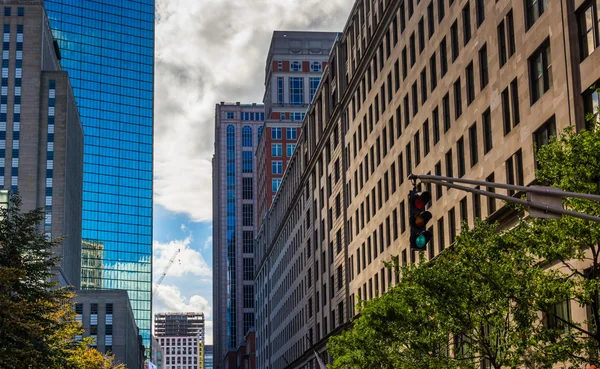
238	128
157	355
107	317
108	50
462	89
208	357
293	71
41	138
181	335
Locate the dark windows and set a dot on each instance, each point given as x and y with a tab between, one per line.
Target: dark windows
510	24
460	156
502	44
480	10
514	170
433	72
423	86
506	111
247	191
483	67
449	166
441	10
421	35
470	73
443	57
446	112
430	21
417	144
589	28
514	96
408	158
540	71
591	102
404	64
435	117
457	99
466	21
452	225
487	131
248	242
542	136
438	188
491	200
247	215
415	100
454	40
397	75
477	204
248	269
440	234
534	9
413	51
426	145
248	296
473	146
558	315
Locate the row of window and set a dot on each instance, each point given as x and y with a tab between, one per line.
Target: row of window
277	149
291	133
251	116
8	11
296	66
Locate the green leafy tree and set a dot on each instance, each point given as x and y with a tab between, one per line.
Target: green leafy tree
37	322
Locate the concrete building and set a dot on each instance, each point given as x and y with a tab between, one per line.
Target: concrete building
41	138
157	354
181	335
208	357
293	71
238	128
463	89
107	317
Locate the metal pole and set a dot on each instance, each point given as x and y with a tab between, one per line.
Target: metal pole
549	191
536	205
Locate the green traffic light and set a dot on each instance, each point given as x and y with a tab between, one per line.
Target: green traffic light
421	241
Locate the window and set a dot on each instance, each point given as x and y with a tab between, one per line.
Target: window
276	149
589	28
491	200
435	117
514	170
229	115
314	84
280	90
591	102
421	35
247	161
276	133
477	204
446	112
443	57
449	167
316	66
457	99
248	242
460	155
7	11
452	225
404	64
473	144
248	296
506	111
470	84
79	309
466	20
440	10
480	9
502	44
296	66
426	145
454	40
514	95
464	215
413	51
296	91
510	24
290	133
534	10
483	67
440	234
540	71
423	86
247	136
290	148
275	183
402	217
417	143
430	21
415	100
248	269
557	316
487	131
277	167
247	215
247	188
433	72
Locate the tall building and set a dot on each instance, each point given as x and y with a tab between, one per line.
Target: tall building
461	89
238	128
108	50
181	335
41	138
158	355
293	71
208	357
107	317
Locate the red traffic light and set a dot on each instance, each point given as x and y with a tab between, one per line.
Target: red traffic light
420	201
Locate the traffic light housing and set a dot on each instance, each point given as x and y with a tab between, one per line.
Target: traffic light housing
418	218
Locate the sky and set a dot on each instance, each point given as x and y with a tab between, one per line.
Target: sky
207	51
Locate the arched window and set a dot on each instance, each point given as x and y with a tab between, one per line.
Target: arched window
247	136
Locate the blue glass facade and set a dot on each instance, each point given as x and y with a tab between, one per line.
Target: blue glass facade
231	249
107	47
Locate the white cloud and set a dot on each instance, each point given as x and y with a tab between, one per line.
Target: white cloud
208	243
188	262
209	51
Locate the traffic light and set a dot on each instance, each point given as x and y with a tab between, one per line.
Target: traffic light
418	218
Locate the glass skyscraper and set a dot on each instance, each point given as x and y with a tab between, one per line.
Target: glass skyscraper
107	47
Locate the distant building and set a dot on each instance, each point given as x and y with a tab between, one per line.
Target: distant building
181	335
41	138
294	66
208	357
107	317
238	129
157	354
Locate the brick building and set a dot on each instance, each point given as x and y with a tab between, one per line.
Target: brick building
463	88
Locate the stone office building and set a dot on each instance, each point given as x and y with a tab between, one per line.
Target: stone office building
462	88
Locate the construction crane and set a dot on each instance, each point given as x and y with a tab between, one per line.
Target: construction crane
164	273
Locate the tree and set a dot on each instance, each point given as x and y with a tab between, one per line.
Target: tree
37	322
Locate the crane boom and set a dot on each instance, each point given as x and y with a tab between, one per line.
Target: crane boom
164	273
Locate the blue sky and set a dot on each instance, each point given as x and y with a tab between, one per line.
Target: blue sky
207	51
